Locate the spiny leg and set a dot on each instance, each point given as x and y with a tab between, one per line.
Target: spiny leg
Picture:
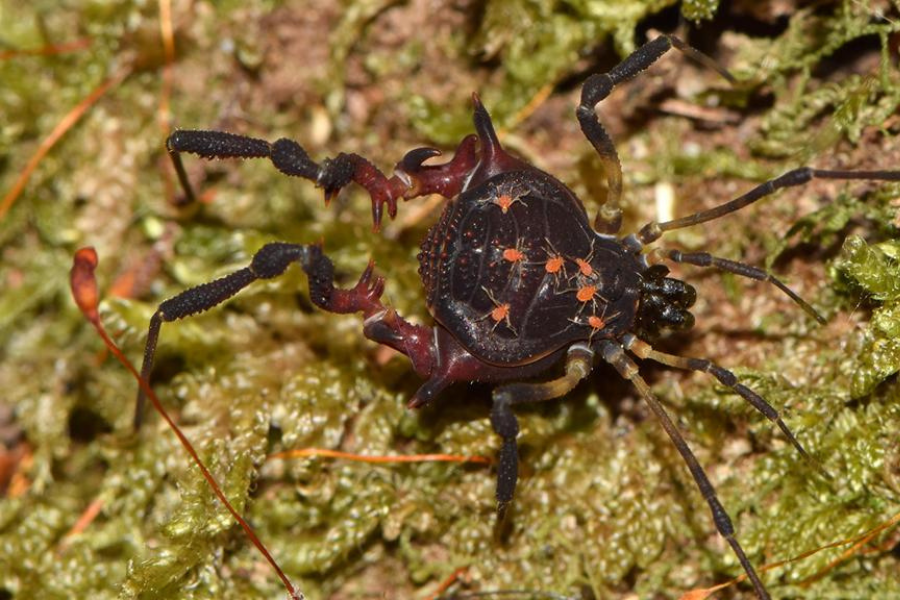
643	350
796	177
290	158
598	87
579	362
269	262
704	259
615	355
411	178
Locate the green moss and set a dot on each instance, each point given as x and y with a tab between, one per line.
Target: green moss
699	10
810	117
538	44
875	270
605	505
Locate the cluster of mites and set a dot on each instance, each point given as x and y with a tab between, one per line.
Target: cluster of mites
585	288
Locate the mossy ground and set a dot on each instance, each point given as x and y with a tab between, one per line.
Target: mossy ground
605	507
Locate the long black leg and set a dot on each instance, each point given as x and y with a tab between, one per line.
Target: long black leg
642	349
269	262
579	362
410	179
653	230
704	259
598	87
290	158
615	355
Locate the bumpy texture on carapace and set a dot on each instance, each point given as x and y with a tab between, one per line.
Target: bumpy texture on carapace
514	271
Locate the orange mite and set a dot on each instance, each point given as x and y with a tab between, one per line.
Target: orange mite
504	201
554	264
500	312
584	267
586	293
596	322
513	255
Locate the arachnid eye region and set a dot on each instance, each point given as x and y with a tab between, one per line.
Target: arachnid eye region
526	292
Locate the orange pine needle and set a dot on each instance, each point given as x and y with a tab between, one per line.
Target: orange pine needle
48	50
445	585
532	105
87	517
856	543
410	458
61	128
704	593
86	295
19	461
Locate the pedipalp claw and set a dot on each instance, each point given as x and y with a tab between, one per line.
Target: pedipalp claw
412	161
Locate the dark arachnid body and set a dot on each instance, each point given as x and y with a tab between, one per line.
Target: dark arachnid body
516	278
498	278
